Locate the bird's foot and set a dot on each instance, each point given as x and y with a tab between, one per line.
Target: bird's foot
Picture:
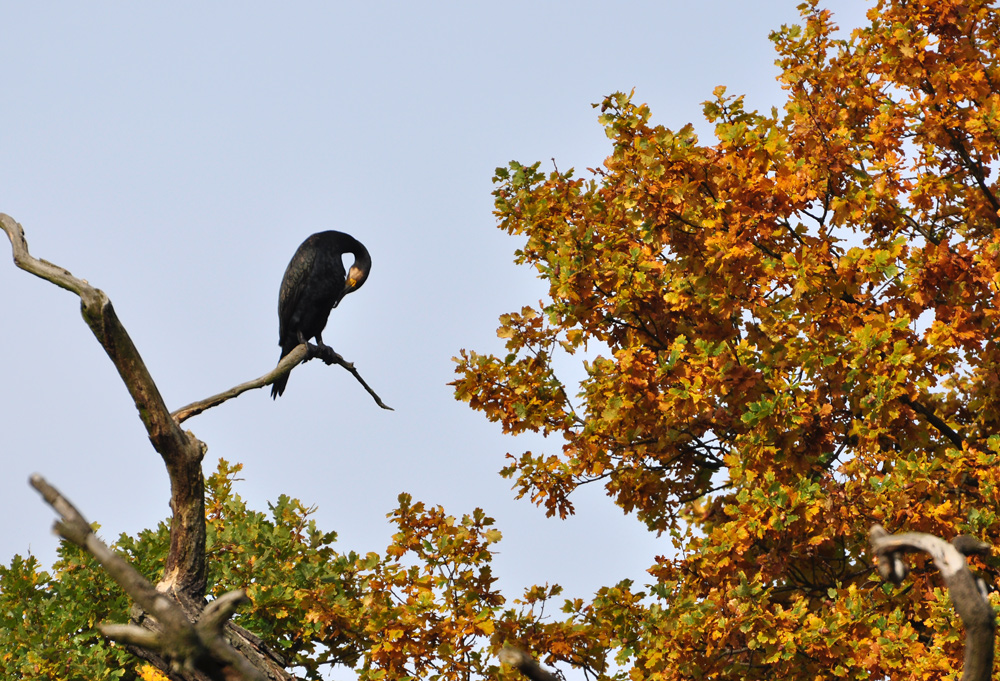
326	353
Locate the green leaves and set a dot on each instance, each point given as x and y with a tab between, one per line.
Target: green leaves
47	620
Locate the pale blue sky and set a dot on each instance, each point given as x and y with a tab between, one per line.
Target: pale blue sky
175	155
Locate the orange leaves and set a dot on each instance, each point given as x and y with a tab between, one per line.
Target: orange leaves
797	335
430	609
523	394
430	603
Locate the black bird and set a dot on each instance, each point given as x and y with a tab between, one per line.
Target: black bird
314	283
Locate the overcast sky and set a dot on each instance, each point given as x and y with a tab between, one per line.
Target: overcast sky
176	154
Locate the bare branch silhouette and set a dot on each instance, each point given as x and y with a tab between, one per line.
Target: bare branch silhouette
170	622
302	353
182	453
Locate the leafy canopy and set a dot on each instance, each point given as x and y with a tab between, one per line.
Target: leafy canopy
427	608
796	327
797	337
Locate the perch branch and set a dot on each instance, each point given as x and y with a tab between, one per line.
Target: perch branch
329	356
302	353
184	572
284	366
522	662
968	594
191	646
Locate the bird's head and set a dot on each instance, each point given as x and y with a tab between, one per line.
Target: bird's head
355	278
358	272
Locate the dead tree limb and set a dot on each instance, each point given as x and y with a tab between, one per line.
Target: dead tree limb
184	573
286	364
199	647
967	593
162	636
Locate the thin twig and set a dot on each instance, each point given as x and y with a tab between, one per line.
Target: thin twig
329	356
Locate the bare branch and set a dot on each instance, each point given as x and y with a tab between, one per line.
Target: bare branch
184	572
42	268
302	353
522	662
198	646
74	528
287	363
329	356
131	635
218	612
934	420
967	593
178	633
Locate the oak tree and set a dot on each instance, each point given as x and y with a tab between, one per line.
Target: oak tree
793	335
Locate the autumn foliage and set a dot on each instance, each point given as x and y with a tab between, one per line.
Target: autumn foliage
790	333
795	330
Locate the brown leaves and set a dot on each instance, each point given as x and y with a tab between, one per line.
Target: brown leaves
797	321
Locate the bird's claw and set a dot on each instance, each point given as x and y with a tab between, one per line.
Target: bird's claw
326	353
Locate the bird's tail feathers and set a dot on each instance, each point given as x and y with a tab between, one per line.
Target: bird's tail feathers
278	387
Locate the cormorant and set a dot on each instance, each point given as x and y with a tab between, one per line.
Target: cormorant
314	283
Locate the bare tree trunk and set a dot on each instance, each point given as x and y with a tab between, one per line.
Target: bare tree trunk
172	627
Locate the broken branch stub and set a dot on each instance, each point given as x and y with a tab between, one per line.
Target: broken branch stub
967	592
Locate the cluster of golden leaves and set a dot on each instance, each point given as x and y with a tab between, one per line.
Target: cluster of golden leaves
797	336
427	608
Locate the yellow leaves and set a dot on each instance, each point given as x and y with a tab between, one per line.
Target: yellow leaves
149	673
790	314
943	510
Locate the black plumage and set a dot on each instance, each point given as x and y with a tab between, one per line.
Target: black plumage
315	282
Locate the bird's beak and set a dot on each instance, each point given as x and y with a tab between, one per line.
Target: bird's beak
354	279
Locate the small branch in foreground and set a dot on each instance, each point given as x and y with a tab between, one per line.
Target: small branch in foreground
302	353
934	420
967	593
199	646
522	662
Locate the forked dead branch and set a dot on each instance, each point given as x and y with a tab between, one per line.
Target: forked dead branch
189	647
174	628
